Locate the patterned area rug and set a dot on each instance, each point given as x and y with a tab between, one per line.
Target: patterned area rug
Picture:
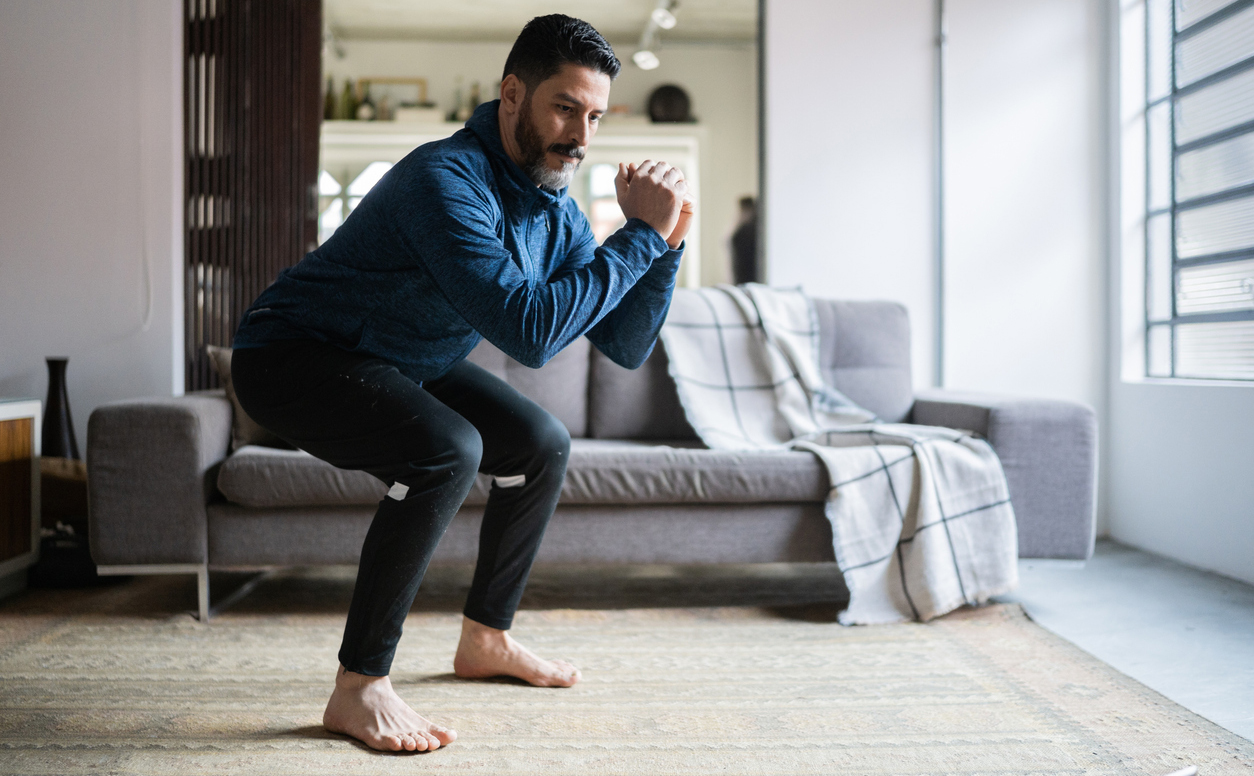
122	680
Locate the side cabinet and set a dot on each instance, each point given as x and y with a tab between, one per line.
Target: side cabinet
19	489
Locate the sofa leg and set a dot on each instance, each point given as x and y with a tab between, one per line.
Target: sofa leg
201	570
202	592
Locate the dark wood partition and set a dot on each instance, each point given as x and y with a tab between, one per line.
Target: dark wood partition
252	108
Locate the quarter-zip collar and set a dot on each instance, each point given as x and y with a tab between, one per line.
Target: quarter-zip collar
485	123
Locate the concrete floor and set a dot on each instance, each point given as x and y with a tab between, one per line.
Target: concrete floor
1186	633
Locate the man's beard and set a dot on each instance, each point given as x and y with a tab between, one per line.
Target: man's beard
534	151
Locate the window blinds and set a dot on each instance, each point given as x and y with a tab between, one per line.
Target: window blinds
1199	196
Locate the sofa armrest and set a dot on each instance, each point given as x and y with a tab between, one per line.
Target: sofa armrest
151	465
1048	450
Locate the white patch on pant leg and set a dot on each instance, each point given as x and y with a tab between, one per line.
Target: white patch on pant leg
398	491
516	481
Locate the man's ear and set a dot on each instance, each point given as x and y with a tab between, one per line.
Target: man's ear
513	91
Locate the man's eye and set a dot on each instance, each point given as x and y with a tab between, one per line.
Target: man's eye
564	108
594	118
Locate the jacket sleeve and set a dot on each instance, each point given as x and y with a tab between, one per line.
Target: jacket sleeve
447	218
627	333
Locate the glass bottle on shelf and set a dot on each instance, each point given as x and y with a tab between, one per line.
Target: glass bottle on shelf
365	110
456	112
348	102
328	102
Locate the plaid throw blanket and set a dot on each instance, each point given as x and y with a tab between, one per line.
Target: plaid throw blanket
921	517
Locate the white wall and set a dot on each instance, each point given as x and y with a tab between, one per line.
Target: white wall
848	125
1180	477
90	230
1181	452
850	186
1025	267
721	80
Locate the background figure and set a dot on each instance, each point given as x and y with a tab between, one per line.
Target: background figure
744	243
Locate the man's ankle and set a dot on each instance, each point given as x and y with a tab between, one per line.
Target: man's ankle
351	680
480	632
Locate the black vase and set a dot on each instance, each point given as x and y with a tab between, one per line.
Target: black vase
58	428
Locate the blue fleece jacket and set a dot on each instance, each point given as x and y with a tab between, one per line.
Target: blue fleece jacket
455	242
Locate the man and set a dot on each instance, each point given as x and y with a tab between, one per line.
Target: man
357	353
744	243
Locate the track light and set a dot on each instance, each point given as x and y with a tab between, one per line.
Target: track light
661	18
645	56
645	59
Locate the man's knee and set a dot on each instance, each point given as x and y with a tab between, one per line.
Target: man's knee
551	440
465	450
451	453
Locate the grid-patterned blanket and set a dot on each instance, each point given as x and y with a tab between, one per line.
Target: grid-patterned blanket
921	517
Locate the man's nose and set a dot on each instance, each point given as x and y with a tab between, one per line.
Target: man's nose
580	132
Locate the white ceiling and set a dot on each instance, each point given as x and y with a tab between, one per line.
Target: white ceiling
617	20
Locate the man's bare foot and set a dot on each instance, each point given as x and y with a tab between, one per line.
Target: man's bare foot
484	652
368	709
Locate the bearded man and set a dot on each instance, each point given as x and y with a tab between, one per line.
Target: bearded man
357	354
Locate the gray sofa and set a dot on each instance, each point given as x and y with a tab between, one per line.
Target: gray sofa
168	496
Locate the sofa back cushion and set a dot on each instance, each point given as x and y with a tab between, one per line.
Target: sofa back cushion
560	386
635	403
865	353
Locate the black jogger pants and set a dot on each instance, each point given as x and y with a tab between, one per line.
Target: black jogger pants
426	443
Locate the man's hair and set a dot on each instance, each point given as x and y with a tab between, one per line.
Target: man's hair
549	42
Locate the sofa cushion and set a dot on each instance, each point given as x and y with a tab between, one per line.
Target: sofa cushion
600	472
256	476
865	354
681	472
635	403
560	386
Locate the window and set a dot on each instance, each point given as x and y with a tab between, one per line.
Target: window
336	201
604	215
1199	193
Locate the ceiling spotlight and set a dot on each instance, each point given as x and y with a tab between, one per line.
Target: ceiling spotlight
663	17
645	59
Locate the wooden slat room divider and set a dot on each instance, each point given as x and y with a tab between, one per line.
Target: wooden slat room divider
252	102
